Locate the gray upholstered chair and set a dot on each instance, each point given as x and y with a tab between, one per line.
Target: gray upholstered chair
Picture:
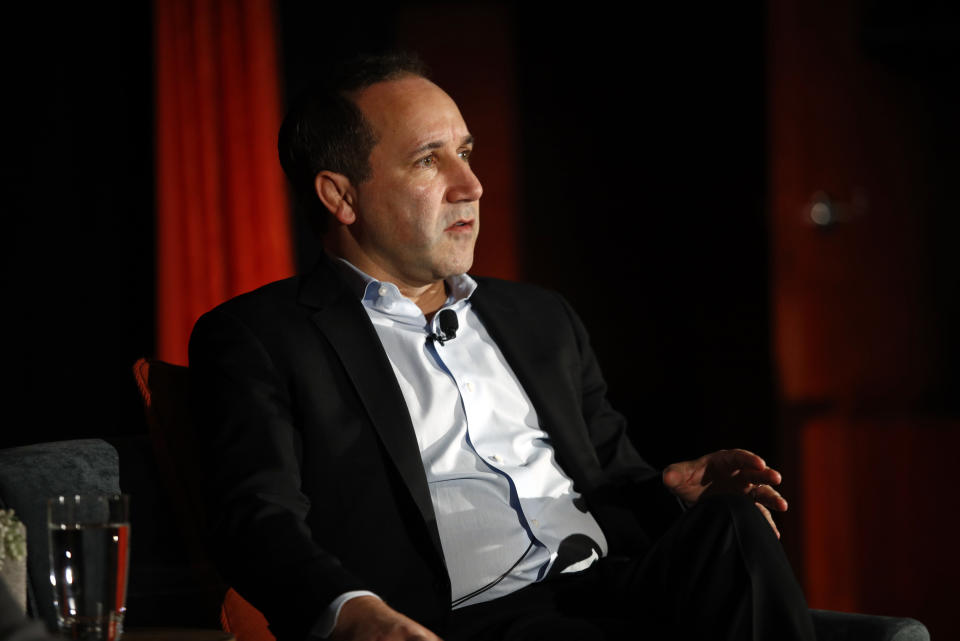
31	474
843	626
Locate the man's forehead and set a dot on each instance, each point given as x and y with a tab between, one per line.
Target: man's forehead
408	108
400	90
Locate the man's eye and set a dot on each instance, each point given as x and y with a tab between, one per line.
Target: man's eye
465	154
427	161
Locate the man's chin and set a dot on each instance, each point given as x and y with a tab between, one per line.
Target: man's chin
457	267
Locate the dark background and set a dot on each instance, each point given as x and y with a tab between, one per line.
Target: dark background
78	244
644	166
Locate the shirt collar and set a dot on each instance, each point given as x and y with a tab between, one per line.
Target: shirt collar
386	296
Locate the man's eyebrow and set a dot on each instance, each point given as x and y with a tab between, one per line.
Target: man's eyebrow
430	146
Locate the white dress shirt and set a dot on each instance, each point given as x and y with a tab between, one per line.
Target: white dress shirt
503	504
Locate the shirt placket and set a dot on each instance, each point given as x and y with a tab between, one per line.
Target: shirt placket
476	408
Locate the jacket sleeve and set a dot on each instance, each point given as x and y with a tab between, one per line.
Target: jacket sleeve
259	537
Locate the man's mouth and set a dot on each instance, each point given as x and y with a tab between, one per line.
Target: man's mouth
461	225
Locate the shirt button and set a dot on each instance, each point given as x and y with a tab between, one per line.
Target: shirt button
383	290
469	386
495	458
534	522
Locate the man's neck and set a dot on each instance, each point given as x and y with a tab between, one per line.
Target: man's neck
429	297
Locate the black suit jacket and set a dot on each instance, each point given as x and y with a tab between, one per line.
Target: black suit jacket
317	486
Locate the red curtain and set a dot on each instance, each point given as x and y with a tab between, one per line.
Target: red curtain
855	323
222	212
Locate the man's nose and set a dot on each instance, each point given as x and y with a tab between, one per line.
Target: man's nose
464	185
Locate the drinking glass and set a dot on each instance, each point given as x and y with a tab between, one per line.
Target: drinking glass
89	559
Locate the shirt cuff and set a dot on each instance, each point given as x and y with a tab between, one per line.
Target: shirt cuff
328	621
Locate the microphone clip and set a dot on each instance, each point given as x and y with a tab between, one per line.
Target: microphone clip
447	327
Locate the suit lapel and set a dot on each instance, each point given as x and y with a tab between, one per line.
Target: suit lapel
351	334
531	353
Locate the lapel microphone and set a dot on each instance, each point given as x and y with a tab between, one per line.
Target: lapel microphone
447	320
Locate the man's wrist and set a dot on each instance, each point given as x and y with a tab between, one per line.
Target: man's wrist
328	621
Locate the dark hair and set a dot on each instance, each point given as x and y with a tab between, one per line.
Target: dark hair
325	130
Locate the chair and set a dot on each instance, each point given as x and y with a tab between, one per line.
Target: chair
844	626
28	476
243	620
164	388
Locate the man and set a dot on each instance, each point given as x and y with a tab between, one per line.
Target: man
403	450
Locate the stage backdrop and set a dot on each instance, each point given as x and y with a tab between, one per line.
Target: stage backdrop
222	211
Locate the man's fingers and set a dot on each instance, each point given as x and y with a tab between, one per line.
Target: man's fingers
768	497
740	460
725	472
769	517
677	474
727	464
766	476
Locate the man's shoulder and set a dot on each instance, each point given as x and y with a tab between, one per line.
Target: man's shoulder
267	296
515	291
525	304
283	307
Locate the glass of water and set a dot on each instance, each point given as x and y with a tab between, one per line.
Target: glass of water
89	561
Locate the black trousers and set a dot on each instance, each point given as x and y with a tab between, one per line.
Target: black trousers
718	573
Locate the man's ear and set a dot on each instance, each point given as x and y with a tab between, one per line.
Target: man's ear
337	194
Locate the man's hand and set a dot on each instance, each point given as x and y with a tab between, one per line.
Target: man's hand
367	618
727	472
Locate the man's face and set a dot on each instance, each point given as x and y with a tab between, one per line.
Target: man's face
418	212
